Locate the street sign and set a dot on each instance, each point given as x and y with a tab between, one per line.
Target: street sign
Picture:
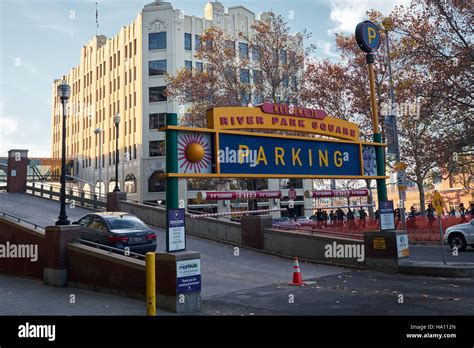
367	36
438	203
188	276
400	166
175	232
402	245
387	219
391	135
292	194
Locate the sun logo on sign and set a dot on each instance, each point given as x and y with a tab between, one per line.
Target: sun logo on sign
194	153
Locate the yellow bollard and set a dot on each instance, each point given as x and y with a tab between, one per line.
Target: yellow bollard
150	284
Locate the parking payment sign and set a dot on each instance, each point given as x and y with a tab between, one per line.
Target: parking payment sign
176	237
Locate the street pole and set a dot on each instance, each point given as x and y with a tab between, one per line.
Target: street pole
64	91
98	132
377	137
172	201
401	193
441	237
116	121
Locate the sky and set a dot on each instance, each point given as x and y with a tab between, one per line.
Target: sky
40	40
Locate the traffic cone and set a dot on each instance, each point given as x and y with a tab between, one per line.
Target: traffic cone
297	278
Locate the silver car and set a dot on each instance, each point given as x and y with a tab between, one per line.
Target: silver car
460	236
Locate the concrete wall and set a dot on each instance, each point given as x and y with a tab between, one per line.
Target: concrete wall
12	233
310	247
99	270
225	231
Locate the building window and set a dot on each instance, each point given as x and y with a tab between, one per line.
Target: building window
187	42
188	65
256	53
197	42
157	94
156	183
157	121
243	50
199	66
229	47
130	183
134	151
244	76
157	67
156	148
157	41
283	56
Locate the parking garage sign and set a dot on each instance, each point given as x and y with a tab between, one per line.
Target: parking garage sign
188	276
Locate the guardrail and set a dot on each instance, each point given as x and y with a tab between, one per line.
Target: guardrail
19	219
110	249
48	191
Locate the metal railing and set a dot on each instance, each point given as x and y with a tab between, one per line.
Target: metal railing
110	249
80	197
19	219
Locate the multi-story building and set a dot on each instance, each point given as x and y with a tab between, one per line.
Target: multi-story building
125	75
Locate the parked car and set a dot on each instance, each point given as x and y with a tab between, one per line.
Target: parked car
118	230
302	219
460	235
285	221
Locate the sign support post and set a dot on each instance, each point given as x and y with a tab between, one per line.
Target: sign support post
438	205
368	38
172	201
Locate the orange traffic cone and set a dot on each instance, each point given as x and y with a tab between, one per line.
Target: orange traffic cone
297	278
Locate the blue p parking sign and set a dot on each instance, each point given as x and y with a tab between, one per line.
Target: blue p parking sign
367	36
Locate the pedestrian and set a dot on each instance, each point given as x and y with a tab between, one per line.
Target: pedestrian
462	211
453	212
362	215
472	210
350	220
430	214
331	217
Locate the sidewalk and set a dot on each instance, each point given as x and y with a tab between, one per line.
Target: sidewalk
22	296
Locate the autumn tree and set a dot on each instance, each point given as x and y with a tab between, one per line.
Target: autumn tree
264	64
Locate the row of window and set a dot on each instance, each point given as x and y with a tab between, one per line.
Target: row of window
157	41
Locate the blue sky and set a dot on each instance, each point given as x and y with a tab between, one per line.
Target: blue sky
40	40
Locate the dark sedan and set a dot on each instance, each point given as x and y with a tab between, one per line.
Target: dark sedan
118	230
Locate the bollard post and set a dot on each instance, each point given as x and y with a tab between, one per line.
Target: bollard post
150	284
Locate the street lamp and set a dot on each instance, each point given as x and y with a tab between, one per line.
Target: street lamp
97	131
391	119
64	91
116	122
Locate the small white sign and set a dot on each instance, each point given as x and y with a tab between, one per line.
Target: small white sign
177	239
402	245
188	268
387	222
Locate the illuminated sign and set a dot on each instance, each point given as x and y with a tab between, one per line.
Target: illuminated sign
284	118
227	195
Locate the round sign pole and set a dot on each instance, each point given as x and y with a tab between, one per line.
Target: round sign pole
368	38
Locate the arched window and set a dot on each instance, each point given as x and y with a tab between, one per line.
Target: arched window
130	183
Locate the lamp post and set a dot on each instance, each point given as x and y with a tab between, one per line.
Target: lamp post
64	91
97	132
116	122
390	119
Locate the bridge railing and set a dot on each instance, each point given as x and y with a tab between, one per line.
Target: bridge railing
74	196
19	219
